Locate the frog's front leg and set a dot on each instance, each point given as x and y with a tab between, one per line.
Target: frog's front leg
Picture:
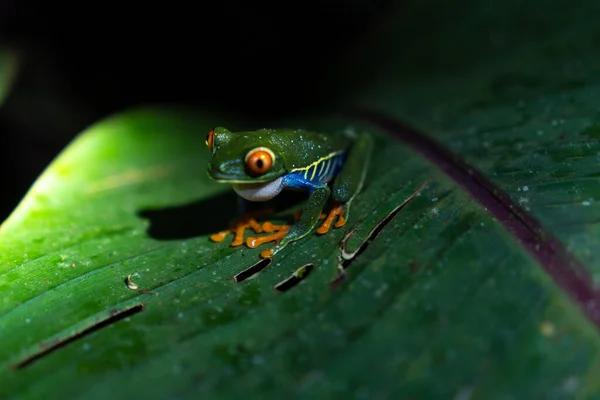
319	194
349	182
238	228
247	220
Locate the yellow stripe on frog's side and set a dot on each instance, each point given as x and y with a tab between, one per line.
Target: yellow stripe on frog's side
326	167
325	162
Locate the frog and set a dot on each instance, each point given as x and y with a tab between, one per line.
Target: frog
259	164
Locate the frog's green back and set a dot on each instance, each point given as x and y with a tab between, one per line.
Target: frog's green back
299	148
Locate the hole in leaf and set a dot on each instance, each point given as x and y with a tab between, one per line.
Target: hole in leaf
47	348
298	275
345	257
252	270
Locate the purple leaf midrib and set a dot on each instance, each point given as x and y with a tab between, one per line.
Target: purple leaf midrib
567	271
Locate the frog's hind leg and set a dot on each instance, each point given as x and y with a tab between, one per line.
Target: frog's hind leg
348	182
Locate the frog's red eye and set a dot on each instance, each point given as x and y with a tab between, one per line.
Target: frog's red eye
209	139
259	161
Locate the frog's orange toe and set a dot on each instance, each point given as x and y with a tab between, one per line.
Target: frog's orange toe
219	237
238	229
269	227
341	221
255	241
334	212
267	253
279	231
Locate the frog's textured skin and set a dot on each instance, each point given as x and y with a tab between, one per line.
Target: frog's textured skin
289	159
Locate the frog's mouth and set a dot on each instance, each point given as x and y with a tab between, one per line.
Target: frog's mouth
233	178
259	191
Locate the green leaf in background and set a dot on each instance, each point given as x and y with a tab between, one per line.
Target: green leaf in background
453	290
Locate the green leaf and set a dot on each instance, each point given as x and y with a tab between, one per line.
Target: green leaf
442	284
469	274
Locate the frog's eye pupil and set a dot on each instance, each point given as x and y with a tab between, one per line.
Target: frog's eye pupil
259	161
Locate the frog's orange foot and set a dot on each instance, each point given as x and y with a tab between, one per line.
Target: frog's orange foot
238	229
275	234
334	212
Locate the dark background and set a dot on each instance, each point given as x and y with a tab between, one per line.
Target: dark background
83	61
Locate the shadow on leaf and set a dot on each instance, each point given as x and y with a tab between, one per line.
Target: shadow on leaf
209	215
202	217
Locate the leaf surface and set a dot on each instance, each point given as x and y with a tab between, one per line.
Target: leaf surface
455	290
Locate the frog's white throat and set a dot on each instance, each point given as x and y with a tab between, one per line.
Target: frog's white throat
259	191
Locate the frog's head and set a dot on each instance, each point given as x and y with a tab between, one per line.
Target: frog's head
243	157
251	161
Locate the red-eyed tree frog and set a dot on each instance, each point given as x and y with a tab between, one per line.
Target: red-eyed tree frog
260	164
